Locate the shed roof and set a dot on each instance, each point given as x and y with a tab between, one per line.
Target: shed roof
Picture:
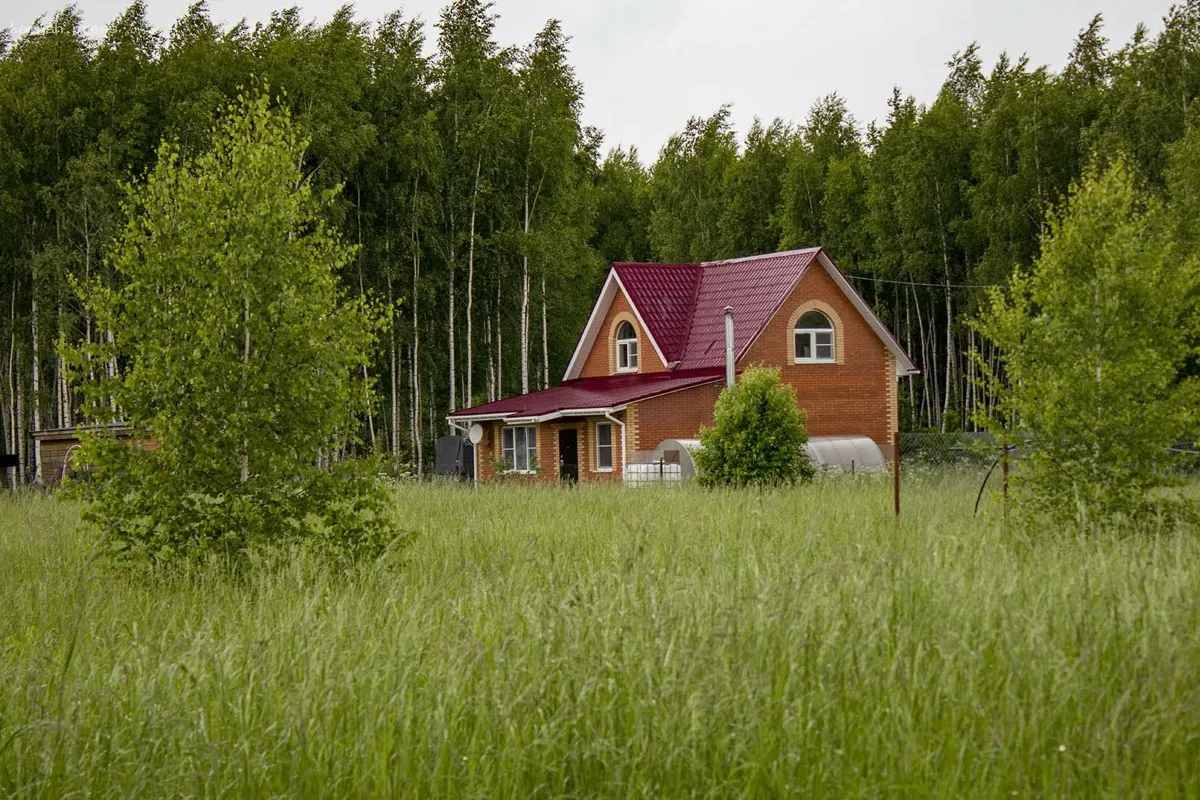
591	395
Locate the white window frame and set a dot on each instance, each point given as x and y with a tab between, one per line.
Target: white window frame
815	343
518	443
627	349
610	447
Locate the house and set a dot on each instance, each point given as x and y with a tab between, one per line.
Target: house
653	359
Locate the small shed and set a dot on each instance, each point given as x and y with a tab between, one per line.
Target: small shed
455	458
58	445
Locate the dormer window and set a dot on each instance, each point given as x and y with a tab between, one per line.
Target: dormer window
814	339
627	348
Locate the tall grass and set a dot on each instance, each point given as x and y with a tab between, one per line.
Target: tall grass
538	643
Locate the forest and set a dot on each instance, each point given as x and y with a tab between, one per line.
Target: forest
485	210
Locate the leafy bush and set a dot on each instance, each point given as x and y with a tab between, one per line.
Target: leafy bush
757	437
240	354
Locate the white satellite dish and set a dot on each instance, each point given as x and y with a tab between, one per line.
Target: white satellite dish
475	433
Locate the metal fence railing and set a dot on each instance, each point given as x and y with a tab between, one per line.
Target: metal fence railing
954	448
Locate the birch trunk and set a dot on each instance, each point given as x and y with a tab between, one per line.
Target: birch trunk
545	340
525	301
923	410
22	473
469	394
499	346
453	399
13	443
949	355
37	387
245	477
415	354
491	356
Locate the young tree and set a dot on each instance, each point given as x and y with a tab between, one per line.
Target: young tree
753	188
622	208
241	356
830	133
687	189
1091	346
757	437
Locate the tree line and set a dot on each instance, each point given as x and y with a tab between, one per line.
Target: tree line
485	212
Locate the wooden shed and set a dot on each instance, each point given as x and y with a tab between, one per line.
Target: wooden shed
58	444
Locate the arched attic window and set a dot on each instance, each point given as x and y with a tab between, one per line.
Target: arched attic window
627	348
814	339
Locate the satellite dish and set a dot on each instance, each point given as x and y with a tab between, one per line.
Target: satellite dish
475	433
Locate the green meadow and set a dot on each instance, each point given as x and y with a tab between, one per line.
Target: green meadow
589	642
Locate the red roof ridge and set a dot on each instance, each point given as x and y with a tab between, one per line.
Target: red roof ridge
801	251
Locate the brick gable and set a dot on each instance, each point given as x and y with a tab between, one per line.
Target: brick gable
602	359
854	397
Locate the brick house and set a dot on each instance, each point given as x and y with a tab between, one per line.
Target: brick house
653	359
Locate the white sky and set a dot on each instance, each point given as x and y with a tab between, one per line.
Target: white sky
648	65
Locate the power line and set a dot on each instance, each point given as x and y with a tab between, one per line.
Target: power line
931	285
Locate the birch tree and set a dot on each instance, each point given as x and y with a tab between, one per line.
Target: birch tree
243	356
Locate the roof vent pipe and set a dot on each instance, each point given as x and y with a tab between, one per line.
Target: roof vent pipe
729	373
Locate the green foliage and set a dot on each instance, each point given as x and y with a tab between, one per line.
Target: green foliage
534	643
485	211
757	437
239	354
687	189
1091	343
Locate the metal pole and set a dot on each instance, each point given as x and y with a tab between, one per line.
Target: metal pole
1004	475
729	354
896	472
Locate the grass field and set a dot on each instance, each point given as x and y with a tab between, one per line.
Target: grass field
608	642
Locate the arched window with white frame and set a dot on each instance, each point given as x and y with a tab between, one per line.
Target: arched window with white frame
627	348
813	337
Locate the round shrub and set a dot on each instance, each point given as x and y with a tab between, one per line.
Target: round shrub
757	437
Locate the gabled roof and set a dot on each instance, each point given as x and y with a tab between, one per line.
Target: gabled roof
590	395
681	306
664	296
756	287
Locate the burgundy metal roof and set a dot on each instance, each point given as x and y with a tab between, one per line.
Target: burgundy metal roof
683	304
755	287
664	296
592	393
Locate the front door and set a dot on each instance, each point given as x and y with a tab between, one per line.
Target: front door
568	455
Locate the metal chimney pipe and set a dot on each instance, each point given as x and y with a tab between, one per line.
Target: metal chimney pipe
729	372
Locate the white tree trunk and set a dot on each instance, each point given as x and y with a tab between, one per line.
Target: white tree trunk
525	302
949	354
19	433
245	367
499	346
469	395
545	340
37	387
415	355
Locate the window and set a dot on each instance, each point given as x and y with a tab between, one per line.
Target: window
604	446
518	446
814	339
627	354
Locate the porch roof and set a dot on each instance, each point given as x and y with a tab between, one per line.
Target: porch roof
591	395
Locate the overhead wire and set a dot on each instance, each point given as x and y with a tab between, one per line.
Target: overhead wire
930	285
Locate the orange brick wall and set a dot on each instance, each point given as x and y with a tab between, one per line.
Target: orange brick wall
678	415
855	398
601	360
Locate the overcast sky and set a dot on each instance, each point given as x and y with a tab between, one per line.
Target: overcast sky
648	65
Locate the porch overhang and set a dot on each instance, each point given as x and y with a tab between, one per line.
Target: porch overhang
532	419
